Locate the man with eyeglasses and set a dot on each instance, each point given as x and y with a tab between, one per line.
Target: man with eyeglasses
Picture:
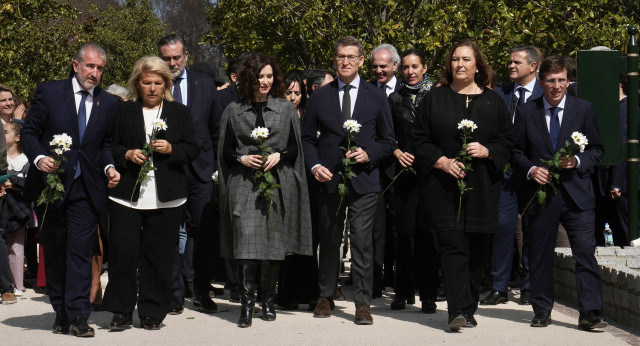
347	98
542	128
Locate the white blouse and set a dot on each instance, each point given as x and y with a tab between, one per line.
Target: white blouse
148	198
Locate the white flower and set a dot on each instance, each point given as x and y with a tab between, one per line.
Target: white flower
260	133
580	139
159	125
58	151
61	142
318	134
351	126
214	176
467	124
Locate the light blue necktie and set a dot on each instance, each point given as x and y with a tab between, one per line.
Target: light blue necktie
82	126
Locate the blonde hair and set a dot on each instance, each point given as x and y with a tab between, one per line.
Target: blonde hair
150	64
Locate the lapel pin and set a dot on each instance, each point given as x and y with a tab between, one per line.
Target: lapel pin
98	103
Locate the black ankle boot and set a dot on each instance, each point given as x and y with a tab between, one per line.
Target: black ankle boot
247	281
268	282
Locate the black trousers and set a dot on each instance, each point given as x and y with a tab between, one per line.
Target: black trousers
361	210
68	238
144	242
463	255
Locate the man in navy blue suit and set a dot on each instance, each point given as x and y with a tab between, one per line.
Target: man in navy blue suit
80	108
196	91
348	97
542	127
523	65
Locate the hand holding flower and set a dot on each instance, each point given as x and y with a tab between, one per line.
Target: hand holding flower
161	146
272	161
451	166
358	154
477	150
404	158
251	161
568	162
136	156
47	164
540	175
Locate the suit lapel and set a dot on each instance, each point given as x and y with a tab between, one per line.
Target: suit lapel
541	124
70	102
191	88
95	112
137	123
337	102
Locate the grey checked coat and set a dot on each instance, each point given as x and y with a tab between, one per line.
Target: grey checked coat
247	232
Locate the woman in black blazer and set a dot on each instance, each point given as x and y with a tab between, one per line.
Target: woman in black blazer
145	217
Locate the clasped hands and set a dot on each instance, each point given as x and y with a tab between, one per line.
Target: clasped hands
322	174
455	167
542	176
256	162
138	157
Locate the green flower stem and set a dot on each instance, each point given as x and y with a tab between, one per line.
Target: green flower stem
410	169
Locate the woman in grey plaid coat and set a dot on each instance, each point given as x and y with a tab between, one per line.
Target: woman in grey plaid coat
256	232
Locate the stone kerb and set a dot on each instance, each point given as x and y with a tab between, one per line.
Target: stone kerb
620	271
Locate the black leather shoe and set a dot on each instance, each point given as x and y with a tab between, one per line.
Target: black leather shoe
525	298
428	307
455	322
495	298
471	321
541	319
398	302
207	305
121	321
149	323
61	324
176	306
80	328
590	320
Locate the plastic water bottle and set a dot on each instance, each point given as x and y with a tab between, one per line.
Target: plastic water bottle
608	235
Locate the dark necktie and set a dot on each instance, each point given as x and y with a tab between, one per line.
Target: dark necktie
82	126
346	103
521	92
554	126
177	91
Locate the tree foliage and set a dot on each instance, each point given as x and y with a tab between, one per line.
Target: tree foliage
300	34
39	39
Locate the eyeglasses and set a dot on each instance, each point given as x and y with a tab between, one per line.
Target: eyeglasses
560	81
351	58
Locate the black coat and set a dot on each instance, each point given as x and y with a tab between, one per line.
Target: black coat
129	133
436	134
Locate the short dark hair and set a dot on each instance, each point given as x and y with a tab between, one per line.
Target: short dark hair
532	53
249	73
624	83
553	64
348	41
421	54
172	39
483	76
236	63
297	76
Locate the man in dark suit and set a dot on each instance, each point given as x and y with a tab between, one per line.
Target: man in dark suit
384	65
523	64
80	108
542	127
348	97
196	91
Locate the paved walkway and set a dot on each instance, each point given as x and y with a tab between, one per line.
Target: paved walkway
29	321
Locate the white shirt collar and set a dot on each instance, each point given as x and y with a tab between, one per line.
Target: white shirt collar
354	83
76	86
391	84
560	105
529	86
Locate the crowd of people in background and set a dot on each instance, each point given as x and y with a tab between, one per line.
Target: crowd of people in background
268	181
